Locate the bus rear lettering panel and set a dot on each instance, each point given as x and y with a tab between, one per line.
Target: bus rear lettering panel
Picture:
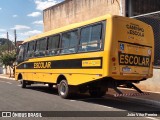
134	60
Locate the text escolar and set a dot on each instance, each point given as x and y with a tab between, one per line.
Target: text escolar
42	65
135	60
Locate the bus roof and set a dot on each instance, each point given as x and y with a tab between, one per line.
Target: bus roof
68	27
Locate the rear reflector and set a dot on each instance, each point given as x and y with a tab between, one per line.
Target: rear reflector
113	59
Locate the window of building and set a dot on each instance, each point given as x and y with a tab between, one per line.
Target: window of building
41	46
53	44
134	7
91	38
69	42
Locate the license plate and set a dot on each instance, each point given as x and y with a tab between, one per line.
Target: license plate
126	69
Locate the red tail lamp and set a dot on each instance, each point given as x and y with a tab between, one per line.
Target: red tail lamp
113	59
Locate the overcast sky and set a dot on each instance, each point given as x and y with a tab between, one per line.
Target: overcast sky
23	15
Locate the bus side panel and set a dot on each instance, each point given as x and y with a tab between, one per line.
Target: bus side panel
90	68
73	79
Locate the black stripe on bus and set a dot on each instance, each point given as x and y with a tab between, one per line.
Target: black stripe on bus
136	44
63	64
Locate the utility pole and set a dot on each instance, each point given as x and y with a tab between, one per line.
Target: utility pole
8	41
11	45
15	39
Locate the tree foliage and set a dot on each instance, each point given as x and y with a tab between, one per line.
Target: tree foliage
6	45
7	59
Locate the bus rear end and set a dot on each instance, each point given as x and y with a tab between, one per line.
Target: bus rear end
133	54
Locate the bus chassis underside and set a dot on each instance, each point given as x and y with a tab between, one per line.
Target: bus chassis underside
97	88
116	85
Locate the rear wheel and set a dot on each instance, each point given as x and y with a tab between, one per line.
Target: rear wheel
97	92
64	90
24	83
50	85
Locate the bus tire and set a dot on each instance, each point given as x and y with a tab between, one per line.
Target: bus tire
97	92
24	83
50	86
63	89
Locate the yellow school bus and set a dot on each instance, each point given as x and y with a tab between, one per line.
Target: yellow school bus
94	55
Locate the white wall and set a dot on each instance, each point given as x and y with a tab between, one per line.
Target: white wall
1	70
151	84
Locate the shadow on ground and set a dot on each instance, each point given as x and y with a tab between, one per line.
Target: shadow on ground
108	100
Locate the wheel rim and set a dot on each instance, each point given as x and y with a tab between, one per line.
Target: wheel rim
63	89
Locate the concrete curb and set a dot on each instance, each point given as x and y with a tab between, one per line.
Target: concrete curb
147	102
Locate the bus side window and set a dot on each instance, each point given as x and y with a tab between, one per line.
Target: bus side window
69	42
25	51
20	57
96	39
22	53
40	47
53	43
91	38
31	47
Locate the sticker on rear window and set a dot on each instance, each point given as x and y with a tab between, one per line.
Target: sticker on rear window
121	46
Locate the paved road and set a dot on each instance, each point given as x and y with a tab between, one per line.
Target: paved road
41	98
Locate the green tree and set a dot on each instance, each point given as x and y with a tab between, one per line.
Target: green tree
6	45
7	59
